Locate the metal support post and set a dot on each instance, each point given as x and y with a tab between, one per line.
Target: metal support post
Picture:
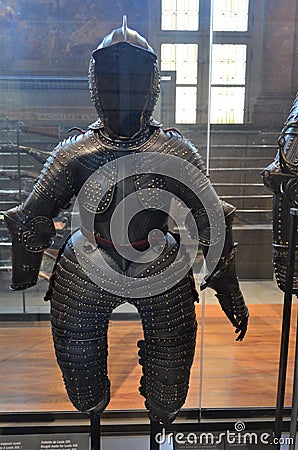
154	430
286	323
95	431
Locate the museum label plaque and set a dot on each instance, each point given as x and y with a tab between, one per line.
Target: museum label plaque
45	442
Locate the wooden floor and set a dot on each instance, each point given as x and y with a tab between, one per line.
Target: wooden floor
235	374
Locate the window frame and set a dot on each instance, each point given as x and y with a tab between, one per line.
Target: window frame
251	38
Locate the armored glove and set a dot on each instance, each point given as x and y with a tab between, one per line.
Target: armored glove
223	278
225	283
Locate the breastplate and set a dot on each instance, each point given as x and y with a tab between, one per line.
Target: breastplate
132	204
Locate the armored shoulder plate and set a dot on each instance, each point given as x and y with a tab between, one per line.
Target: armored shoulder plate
281	173
178	145
288	143
68	172
163	146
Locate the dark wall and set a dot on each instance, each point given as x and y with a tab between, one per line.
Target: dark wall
57	36
279	63
45	48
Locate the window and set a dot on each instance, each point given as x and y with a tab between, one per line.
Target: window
188	56
228	64
186	104
183	59
228	83
180	15
230	15
227	105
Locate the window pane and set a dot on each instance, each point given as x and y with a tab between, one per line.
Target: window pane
180	15
186	104
228	64
230	15
227	104
183	58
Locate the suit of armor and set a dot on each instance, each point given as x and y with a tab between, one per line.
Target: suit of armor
281	178
124	85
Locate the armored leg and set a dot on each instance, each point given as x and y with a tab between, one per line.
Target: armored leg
80	313
167	351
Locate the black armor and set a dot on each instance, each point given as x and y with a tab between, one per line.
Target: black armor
84	293
281	177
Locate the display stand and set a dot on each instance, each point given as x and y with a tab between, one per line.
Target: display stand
286	323
95	431
293	428
154	430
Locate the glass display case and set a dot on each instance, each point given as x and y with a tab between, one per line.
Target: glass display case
227	83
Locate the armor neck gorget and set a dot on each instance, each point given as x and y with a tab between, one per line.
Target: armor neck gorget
126	144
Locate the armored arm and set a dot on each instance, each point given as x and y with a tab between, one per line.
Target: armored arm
30	224
223	278
281	177
31	234
213	219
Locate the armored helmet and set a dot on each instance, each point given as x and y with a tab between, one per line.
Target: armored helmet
124	82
